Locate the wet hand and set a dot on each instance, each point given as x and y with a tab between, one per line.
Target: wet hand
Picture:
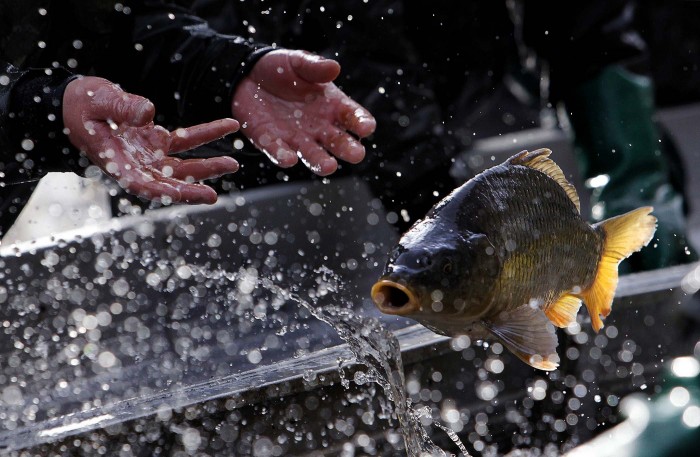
291	109
115	130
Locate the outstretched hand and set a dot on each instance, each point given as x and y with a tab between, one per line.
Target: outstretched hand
115	130
291	109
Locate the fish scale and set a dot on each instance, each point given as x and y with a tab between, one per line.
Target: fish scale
536	268
529	271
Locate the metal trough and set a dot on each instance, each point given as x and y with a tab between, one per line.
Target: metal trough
151	336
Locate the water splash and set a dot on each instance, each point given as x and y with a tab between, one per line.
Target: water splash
379	350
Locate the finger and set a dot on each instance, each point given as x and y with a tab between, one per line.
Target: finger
110	102
278	151
148	182
313	68
169	190
341	145
193	194
314	156
188	138
355	118
198	169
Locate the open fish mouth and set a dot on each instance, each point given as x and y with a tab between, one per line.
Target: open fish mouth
394	298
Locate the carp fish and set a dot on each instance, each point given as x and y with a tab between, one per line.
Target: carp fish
508	255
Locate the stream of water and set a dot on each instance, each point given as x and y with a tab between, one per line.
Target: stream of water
379	351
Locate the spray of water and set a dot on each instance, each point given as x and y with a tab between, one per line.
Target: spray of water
378	349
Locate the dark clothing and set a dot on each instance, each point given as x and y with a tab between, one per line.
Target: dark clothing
579	39
432	73
153	49
31	138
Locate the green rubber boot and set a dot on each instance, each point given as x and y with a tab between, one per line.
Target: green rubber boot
615	136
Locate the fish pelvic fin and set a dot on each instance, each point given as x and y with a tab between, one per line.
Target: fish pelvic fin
563	312
528	334
624	235
540	161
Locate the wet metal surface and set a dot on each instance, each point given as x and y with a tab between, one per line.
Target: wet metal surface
110	325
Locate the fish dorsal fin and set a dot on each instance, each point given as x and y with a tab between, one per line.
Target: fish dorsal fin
563	312
539	160
624	235
527	333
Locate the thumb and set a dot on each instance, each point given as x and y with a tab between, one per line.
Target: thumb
314	68
110	102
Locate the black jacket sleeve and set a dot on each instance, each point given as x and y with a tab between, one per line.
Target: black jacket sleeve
32	142
187	69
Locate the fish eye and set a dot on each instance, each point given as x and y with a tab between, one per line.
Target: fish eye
447	266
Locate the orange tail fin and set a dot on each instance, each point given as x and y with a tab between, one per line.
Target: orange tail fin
624	235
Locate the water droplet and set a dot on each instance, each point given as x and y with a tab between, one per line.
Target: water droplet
120	287
255	356
27	145
184	272
106	359
214	240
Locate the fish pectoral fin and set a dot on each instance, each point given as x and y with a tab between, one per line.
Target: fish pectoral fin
539	160
527	333
563	312
624	235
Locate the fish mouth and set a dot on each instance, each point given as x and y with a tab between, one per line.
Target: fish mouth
394	298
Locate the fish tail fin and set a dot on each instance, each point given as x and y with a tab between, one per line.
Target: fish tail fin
623	236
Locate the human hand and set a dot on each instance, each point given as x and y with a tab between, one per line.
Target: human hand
115	130
291	109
